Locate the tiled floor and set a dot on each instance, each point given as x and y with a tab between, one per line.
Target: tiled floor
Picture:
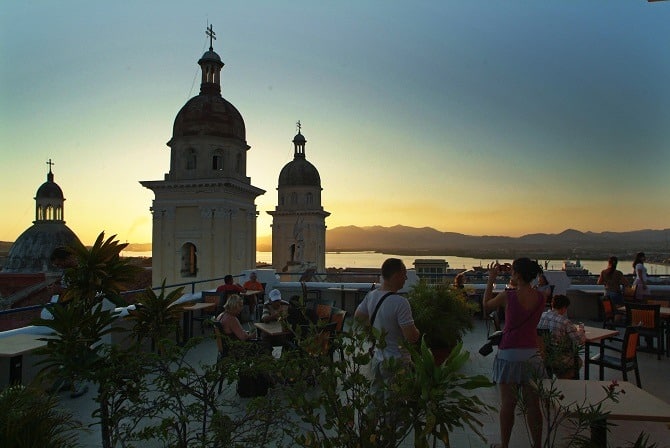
653	374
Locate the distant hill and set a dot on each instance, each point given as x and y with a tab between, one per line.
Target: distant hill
569	243
426	240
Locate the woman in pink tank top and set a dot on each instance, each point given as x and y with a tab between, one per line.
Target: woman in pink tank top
518	361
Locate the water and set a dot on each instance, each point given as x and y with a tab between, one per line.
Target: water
375	260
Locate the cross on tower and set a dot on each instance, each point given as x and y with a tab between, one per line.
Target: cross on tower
212	36
299	126
50	163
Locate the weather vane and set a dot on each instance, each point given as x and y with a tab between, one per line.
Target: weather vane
212	36
299	126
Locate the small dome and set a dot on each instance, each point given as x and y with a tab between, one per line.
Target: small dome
210	56
49	189
209	115
299	138
31	252
299	172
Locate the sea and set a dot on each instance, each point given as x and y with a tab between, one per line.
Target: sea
375	259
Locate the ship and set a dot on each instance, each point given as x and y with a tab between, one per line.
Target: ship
574	268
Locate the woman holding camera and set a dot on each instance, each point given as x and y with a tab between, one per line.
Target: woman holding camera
518	360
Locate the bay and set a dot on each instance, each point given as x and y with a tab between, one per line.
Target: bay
375	260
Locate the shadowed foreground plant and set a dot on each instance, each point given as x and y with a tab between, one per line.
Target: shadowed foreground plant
30	418
338	410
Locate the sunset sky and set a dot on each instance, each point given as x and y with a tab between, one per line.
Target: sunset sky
479	117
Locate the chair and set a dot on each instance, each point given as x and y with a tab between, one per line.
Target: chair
627	358
338	317
323	311
648	319
610	314
209	297
222	345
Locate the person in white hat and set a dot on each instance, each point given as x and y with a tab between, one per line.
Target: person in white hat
275	308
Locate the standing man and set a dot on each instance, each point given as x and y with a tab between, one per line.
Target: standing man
393	318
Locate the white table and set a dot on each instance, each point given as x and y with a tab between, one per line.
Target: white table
13	347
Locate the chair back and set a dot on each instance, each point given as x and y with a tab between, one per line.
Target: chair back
323	311
221	340
338	318
214	297
643	315
630	342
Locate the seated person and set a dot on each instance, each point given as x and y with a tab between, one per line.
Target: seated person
543	286
275	308
229	287
253	285
562	351
230	321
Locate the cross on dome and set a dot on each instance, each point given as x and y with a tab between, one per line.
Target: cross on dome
212	36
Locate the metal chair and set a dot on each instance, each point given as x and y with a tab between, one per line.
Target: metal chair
648	319
627	358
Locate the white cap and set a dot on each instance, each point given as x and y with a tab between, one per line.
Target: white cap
275	295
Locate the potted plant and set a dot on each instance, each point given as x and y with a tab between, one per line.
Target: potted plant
442	314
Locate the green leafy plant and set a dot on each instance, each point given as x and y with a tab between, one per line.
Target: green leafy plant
157	317
441	313
31	418
339	410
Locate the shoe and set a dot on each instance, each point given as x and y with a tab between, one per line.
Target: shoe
79	392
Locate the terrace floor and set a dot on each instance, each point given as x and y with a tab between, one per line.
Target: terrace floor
653	376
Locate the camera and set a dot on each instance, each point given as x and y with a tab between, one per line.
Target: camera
494	339
486	349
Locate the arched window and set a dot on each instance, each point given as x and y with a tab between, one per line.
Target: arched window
189	260
217	162
191	159
309	199
294	198
238	163
281	200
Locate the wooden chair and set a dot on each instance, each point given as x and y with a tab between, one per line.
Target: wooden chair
648	319
625	361
338	317
323	311
207	314
610	314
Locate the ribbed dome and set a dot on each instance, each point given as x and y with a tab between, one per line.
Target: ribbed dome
210	55
49	189
208	114
299	172
31	252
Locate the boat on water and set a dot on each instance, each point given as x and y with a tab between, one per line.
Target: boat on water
574	268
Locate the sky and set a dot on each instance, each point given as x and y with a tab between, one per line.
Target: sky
478	117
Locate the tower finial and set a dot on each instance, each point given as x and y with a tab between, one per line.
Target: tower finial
298	125
212	36
50	163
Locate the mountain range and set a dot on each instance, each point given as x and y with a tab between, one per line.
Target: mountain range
429	241
569	243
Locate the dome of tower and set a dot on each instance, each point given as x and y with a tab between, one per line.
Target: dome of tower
299	172
208	114
49	189
32	250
